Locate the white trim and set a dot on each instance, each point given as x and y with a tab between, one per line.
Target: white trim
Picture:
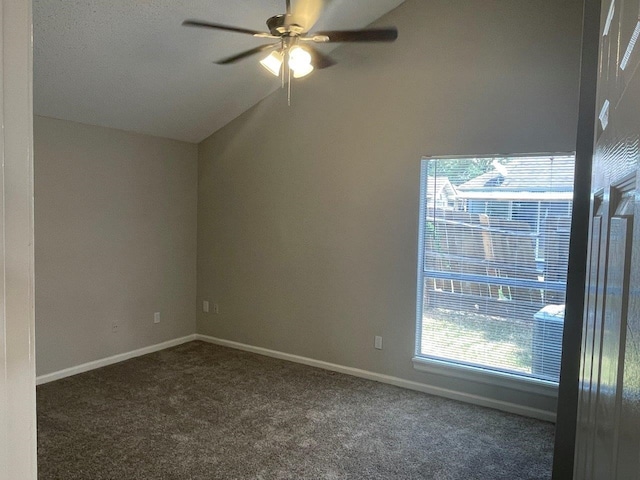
399	382
356	372
481	375
18	446
121	357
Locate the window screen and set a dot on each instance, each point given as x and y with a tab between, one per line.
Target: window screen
492	266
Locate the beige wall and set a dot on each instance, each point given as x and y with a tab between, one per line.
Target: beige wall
307	215
115	241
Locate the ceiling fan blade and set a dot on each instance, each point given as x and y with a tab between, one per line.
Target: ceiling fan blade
320	60
218	26
367	35
246	53
305	13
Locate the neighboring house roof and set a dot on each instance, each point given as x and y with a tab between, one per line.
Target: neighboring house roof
527	178
441	186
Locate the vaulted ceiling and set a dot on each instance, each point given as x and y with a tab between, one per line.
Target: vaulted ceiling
129	64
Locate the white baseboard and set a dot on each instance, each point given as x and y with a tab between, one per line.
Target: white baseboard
103	362
399	382
356	372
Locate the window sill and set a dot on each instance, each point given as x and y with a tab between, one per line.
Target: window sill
480	375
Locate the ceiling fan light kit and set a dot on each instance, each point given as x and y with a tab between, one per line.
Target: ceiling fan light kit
290	29
300	62
297	59
302	71
273	62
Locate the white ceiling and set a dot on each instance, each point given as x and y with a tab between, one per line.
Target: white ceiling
129	64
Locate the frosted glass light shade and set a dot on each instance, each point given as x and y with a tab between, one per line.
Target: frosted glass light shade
273	62
302	71
300	62
298	58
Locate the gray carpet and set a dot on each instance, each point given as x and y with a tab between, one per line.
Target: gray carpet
201	411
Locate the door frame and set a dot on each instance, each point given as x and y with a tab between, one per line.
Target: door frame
18	458
565	438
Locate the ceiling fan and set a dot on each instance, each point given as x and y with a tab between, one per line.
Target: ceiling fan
293	48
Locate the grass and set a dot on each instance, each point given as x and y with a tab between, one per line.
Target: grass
469	337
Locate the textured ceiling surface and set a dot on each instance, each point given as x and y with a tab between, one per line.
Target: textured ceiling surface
129	64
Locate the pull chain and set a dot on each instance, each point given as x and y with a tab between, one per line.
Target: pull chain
289	86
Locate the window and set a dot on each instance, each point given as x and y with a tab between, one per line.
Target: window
492	263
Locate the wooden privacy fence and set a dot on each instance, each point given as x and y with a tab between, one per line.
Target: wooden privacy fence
480	260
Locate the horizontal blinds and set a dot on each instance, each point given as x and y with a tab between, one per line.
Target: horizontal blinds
493	262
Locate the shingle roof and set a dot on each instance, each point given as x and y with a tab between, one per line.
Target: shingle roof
526	174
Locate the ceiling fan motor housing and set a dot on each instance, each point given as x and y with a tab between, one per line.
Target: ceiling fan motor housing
278	27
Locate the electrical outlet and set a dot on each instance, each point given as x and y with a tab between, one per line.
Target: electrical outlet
215	308
205	306
156	317
378	343
114	327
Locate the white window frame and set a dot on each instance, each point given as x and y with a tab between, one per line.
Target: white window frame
449	368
